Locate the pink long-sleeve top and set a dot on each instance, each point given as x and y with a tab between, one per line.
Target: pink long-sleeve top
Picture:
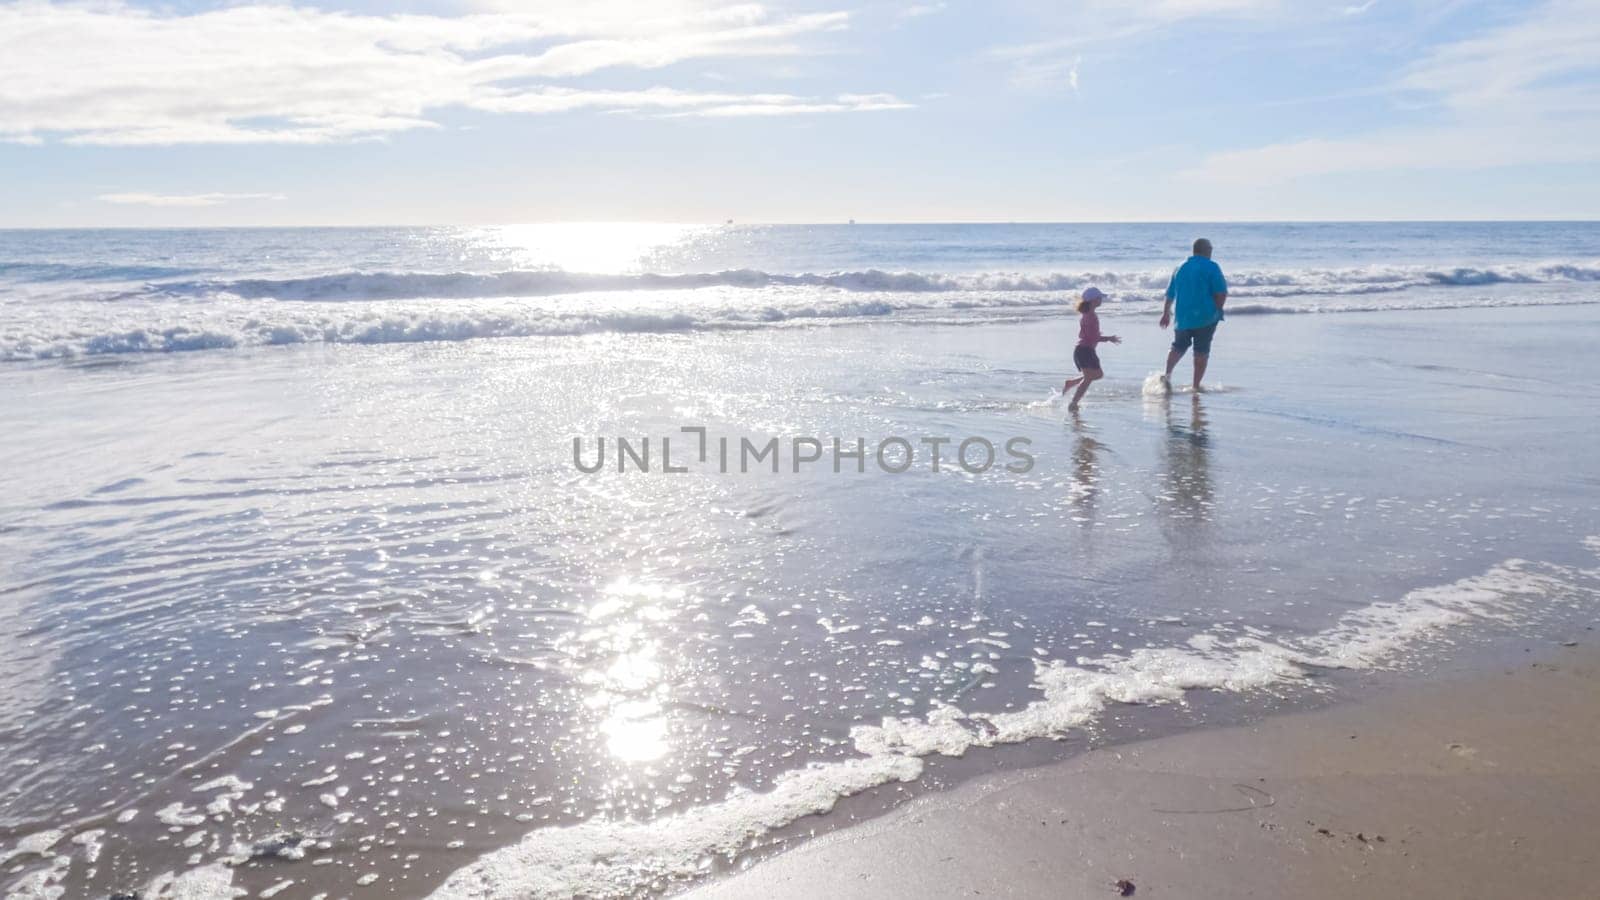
1089	329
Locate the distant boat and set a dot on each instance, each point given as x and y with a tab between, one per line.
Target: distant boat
852	221
729	222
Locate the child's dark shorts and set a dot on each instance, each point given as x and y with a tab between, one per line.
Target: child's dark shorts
1200	337
1085	358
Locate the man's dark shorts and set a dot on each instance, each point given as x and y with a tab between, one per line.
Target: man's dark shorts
1200	337
1085	358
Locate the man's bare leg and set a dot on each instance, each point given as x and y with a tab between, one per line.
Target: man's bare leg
1200	360
1172	363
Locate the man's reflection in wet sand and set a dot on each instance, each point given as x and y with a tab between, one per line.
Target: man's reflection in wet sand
1184	489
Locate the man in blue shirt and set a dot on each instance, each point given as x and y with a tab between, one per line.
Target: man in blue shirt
1199	290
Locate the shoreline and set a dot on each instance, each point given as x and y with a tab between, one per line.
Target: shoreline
1474	786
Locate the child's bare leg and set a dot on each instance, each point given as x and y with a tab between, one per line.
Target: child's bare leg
1067	385
1089	377
1200	360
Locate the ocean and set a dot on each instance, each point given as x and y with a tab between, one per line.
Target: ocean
71	294
306	586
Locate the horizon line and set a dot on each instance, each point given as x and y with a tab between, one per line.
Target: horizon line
841	223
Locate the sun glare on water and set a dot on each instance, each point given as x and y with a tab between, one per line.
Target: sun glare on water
629	692
594	247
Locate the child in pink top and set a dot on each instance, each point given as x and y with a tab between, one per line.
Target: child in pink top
1084	355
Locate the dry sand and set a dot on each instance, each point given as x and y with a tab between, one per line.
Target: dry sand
1486	787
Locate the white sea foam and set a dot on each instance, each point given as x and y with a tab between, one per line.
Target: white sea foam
69	330
539	283
36	844
92	842
210	882
401	307
602	858
229	783
42	883
177	815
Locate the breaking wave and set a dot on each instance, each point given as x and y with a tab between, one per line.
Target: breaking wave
542	283
381	308
163	328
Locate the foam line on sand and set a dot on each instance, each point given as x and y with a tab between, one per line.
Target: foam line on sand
620	858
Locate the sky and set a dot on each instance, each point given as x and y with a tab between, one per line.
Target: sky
495	111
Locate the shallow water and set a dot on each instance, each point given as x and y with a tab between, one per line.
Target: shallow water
358	603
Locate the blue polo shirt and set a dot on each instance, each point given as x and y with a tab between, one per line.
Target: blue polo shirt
1192	287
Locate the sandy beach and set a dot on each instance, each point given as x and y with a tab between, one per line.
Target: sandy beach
346	618
1483	786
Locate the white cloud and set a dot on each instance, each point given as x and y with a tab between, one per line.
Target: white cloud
1521	94
624	17
107	73
1516	62
669	102
1457	148
1053	62
918	10
1044	73
1174	10
582	57
185	200
784	105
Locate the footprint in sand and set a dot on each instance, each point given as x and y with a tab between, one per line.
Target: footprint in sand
1465	752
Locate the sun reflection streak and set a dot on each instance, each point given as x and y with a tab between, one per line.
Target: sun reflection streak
630	694
592	247
636	731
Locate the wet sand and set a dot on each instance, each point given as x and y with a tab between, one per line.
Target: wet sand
343	620
1479	786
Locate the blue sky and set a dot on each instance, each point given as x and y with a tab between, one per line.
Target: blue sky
697	110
